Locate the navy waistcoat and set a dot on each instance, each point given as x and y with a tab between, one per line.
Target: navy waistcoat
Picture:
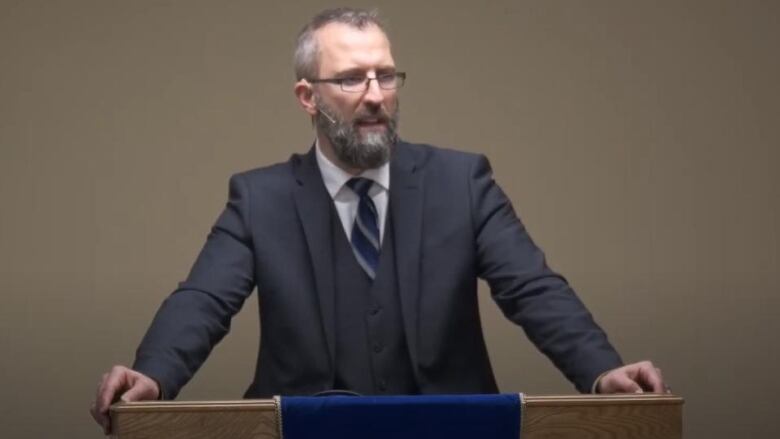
371	351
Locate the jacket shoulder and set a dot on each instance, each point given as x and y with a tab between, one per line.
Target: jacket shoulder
268	182
274	171
431	156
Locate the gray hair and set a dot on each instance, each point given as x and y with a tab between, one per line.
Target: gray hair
306	58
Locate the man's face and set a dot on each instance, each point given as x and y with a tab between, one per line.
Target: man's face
360	126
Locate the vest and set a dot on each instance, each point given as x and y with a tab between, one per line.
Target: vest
372	357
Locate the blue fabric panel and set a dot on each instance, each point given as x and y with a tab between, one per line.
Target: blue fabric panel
408	417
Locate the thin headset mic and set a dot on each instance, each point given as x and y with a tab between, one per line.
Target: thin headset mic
327	116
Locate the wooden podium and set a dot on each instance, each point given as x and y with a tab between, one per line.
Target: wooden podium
645	416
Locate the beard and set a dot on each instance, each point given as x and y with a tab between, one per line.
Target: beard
353	148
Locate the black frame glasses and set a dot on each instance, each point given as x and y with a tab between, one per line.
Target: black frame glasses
359	84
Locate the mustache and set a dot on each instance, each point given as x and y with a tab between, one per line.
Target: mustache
378	115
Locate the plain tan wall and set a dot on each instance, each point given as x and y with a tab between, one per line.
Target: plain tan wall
638	140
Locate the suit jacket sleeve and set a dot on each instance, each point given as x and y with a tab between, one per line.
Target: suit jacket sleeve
528	292
195	317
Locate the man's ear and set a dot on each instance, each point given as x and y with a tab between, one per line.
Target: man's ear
305	94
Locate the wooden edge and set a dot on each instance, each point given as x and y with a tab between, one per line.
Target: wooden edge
528	401
193	406
590	400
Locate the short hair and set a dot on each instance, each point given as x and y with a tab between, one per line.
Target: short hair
306	58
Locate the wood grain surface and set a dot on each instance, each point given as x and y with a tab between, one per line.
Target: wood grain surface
603	416
196	420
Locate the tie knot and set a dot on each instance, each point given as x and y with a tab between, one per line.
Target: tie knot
360	185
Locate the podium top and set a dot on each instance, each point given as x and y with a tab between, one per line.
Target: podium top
628	416
528	400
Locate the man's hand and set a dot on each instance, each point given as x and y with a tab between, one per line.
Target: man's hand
123	384
633	378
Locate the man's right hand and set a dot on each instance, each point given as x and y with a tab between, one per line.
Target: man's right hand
122	384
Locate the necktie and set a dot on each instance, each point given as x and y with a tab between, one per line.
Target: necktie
365	231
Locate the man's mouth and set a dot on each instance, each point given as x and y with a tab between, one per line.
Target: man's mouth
371	122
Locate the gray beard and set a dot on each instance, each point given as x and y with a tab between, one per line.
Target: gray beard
351	148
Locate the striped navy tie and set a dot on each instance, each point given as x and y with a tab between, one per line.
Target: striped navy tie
365	231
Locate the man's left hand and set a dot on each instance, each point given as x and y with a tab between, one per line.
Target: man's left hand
633	378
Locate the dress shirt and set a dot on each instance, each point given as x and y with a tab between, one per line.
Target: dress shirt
346	200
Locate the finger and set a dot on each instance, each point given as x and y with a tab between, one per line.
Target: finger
620	382
100	418
116	381
140	391
99	390
100	386
96	409
113	384
666	387
650	378
627	385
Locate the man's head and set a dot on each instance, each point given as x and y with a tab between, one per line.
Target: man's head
348	83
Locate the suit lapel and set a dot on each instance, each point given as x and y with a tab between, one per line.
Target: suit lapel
313	203
406	206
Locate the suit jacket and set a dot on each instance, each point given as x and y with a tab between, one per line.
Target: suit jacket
452	225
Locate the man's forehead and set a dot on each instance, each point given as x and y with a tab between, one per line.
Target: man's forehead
340	44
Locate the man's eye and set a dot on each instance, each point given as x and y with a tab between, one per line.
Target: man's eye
352	81
387	78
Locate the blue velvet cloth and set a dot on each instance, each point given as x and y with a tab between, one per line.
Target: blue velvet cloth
408	417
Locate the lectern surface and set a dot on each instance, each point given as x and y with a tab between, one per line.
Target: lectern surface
644	416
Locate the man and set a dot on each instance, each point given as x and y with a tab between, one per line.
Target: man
366	253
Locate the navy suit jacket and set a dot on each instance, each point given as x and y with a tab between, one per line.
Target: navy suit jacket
452	225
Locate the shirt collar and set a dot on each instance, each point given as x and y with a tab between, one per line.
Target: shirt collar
335	178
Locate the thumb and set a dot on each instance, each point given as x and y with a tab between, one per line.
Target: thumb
141	391
626	385
620	383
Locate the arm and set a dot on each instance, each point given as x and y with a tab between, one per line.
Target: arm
529	293
193	319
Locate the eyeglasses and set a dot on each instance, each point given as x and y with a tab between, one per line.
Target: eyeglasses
359	84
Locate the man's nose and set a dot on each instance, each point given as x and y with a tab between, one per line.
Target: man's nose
373	94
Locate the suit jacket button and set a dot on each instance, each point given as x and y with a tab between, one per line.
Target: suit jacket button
378	348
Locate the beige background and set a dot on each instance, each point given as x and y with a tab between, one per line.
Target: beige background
638	140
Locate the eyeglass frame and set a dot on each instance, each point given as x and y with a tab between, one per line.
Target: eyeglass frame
400	78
